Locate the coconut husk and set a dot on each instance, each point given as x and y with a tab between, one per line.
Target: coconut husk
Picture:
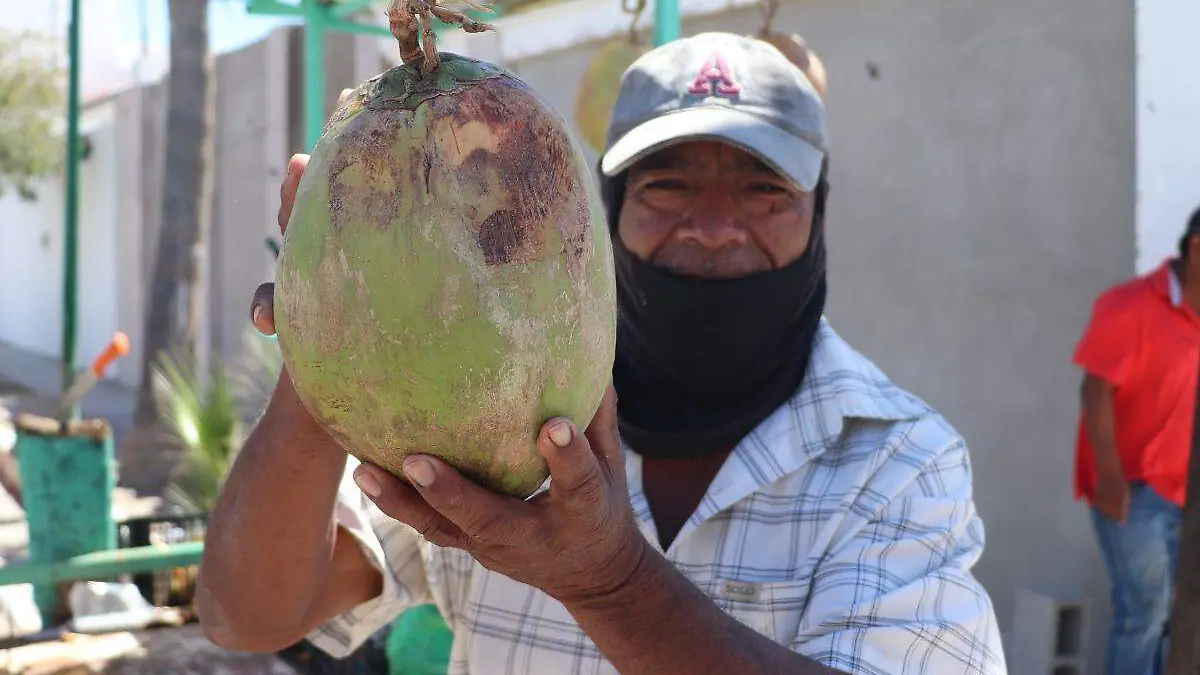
599	86
793	46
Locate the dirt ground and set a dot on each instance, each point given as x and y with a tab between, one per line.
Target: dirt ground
165	651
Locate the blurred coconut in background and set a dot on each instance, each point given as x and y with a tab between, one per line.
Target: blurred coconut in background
597	93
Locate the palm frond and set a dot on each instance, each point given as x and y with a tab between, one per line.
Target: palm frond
209	416
204	417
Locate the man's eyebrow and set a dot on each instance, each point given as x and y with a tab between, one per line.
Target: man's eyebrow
670	161
755	164
666	161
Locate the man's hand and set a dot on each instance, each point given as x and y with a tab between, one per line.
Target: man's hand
1112	496
1112	487
263	587
262	307
577	543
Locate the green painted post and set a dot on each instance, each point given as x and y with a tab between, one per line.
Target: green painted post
67	481
666	21
70	330
314	71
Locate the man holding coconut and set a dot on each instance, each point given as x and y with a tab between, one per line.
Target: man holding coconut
760	499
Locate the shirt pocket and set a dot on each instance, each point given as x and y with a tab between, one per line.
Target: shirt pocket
772	608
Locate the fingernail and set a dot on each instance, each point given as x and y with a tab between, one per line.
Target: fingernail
560	434
419	471
367	483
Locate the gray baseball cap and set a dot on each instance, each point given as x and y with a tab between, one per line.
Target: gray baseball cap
722	87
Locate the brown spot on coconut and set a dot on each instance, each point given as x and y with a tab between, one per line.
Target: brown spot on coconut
445	283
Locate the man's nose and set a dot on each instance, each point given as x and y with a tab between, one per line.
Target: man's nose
714	222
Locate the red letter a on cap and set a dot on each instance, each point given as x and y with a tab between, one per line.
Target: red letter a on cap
715	68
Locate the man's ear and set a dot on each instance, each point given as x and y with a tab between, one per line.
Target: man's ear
612	194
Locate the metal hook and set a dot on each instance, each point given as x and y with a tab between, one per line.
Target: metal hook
768	9
636	11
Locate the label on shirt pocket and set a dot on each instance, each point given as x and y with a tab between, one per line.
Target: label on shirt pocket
746	591
772	608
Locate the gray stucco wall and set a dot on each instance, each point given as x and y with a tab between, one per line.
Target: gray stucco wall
258	126
251	158
982	194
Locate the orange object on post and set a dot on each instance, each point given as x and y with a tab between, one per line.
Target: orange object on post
117	347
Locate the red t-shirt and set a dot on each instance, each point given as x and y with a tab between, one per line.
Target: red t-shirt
1145	340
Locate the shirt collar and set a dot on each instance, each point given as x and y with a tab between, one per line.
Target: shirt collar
1174	287
1165	282
841	384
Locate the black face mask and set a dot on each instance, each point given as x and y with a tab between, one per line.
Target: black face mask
701	362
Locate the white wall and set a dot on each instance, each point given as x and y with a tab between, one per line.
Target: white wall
1168	116
31	254
110	39
98	292
30	268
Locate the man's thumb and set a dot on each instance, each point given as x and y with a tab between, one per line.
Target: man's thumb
262	308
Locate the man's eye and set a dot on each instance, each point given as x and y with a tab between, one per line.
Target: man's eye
667	184
767	188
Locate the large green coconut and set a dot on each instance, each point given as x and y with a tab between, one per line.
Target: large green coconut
446	282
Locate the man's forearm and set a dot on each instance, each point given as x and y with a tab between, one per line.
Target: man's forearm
662	623
269	548
1099	424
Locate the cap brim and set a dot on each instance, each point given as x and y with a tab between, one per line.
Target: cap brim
787	153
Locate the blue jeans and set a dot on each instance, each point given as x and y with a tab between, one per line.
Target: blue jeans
1142	556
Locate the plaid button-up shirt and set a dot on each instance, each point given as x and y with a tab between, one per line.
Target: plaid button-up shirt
842	527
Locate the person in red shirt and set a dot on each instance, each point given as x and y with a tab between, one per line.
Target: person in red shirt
1140	356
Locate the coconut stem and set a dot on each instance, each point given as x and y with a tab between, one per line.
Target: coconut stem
411	23
403	25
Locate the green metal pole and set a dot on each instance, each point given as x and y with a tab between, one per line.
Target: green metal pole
70	329
343	25
314	71
104	564
319	18
666	21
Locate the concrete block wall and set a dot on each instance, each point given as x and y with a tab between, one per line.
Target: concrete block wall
1049	634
